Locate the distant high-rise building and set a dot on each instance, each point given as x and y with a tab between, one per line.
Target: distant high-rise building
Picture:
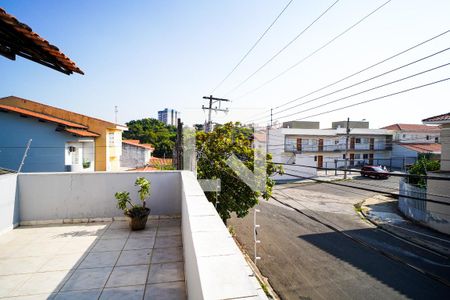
168	116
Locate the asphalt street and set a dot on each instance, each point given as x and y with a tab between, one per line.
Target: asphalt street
319	247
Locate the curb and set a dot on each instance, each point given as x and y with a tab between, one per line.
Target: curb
394	233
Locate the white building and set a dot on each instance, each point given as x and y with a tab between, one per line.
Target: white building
305	144
135	154
168	116
412	140
438	216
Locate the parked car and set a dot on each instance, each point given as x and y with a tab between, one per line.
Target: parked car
375	172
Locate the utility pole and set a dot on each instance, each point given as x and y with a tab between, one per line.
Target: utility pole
115	113
210	108
179	146
347	135
271	110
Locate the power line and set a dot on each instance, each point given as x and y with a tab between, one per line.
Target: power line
360	71
315	51
372	190
378	98
357	171
253	47
356	84
362	92
282	49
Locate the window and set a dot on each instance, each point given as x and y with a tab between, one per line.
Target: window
436	140
111	138
315	158
357	141
428	137
357	156
365	156
343	156
404	135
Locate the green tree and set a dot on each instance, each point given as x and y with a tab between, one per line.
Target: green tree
214	149
421	167
155	132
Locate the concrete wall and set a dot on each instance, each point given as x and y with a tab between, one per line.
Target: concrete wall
214	266
47	148
433	215
9	204
57	196
445	144
133	156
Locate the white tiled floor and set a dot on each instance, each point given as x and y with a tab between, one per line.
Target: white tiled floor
93	261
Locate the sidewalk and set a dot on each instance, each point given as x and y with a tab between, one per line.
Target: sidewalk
383	212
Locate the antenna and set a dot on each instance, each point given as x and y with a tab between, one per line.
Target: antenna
115	113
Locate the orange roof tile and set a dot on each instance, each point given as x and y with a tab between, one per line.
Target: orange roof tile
19	39
138	144
444	118
412	127
80	132
41	116
423	148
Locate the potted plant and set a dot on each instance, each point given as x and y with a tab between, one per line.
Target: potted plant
86	164
136	214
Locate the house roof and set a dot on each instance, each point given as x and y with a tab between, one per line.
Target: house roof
423	148
441	119
412	127
156	161
81	132
17	38
29	113
55	112
138	144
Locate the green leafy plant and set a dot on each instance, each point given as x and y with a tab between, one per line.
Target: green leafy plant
86	164
214	148
152	131
124	201
420	168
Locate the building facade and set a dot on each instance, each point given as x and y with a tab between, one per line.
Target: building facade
168	116
412	140
326	148
61	140
135	155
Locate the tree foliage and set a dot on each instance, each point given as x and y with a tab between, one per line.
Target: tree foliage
214	149
423	165
155	132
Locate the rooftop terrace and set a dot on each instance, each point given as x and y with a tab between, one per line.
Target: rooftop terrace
73	243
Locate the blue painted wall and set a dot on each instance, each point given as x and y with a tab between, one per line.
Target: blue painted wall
47	148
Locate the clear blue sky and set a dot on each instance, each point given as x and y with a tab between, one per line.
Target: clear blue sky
147	55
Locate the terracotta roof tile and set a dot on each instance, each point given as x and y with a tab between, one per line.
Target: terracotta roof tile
423	148
444	118
41	116
80	132
411	127
30	45
138	144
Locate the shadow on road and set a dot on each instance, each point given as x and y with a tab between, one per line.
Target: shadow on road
410	284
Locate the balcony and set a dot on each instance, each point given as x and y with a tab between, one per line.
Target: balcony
336	148
73	242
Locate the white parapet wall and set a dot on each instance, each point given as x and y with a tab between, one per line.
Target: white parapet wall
215	268
9	204
82	196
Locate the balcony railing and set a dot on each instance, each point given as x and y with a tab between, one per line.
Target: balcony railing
336	148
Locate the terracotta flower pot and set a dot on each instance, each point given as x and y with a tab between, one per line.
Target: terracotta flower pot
138	222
